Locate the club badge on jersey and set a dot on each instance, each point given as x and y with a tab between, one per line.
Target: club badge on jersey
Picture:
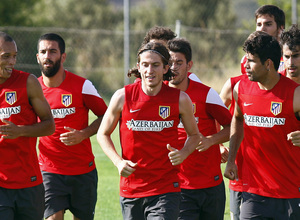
11	97
276	108
164	111
66	100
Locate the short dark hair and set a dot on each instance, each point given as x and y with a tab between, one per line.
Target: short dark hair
159	49
265	47
6	37
54	37
159	33
274	11
181	45
291	37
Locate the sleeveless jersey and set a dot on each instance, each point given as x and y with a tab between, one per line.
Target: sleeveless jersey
147	125
202	169
70	103
18	158
271	165
233	184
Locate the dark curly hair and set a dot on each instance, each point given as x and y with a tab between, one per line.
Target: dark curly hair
265	47
157	48
291	37
159	33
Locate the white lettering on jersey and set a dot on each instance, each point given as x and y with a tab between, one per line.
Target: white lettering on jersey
7	112
260	121
141	125
62	112
180	125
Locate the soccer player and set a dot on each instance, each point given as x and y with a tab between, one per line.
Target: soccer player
202	186
148	113
271	20
66	158
266	112
22	103
290	42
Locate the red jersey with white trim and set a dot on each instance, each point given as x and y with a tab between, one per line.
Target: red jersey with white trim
244	60
202	169
147	125
19	166
70	104
233	184
271	165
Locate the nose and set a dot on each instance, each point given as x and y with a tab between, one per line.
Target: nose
263	28
173	66
47	54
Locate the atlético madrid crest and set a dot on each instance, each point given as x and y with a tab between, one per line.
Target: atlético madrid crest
276	108
11	97
164	111
66	100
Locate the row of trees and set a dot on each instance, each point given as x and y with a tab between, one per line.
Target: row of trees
93	30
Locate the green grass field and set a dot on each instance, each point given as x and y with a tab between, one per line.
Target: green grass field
108	207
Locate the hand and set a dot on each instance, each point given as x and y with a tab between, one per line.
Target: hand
175	155
72	137
224	153
204	144
231	171
9	130
294	137
126	168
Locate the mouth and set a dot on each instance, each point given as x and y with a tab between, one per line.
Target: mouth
48	63
150	78
9	70
292	69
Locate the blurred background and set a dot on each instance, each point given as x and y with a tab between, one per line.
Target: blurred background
94	33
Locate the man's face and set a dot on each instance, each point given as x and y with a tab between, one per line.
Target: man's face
151	68
256	71
291	58
179	67
49	57
266	23
8	58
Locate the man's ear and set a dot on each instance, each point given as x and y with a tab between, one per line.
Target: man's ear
190	65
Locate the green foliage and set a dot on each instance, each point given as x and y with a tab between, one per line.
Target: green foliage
75	14
16	12
199	16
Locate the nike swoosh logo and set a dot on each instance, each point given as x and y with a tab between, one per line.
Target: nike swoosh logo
247	104
132	111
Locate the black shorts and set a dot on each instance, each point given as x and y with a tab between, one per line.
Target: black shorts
164	206
22	204
208	203
235	204
78	193
261	207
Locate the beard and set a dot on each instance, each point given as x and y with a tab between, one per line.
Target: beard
51	71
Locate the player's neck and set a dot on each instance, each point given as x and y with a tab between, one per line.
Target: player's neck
270	81
183	85
151	90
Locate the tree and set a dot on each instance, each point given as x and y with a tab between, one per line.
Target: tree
16	12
